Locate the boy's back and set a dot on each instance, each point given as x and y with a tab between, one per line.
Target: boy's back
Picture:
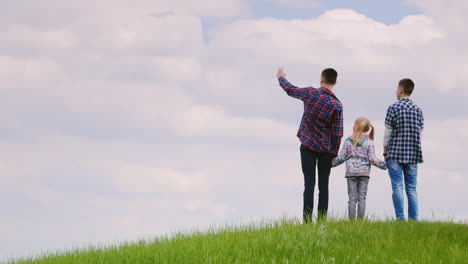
321	127
358	158
402	146
406	121
321	121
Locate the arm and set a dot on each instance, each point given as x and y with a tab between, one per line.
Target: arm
343	156
373	159
389	123
291	90
421	121
387	135
337	130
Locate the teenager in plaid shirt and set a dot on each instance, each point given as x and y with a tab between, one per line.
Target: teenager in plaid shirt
320	133
402	149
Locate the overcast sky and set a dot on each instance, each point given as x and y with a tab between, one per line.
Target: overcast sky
124	120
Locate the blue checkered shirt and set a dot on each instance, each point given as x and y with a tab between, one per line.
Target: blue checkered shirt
407	121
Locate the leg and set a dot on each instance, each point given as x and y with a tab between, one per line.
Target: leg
362	194
308	160
395	171
324	168
410	172
352	197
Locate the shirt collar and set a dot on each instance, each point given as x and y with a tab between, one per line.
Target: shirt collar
330	92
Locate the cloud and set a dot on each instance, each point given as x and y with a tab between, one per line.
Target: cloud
448	14
130	120
296	3
52	14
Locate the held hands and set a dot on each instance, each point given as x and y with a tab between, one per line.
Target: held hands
281	72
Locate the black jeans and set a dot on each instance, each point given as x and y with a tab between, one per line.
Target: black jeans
323	161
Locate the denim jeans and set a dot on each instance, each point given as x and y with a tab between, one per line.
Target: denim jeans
404	176
357	193
311	161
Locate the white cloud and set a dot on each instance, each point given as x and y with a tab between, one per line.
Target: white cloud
14	70
297	3
145	179
52	13
448	59
111	115
451	15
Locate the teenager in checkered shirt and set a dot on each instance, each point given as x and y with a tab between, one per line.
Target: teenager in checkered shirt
320	134
402	148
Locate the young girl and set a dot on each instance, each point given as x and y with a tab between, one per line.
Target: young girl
359	154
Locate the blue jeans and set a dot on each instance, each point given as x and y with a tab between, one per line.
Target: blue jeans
404	176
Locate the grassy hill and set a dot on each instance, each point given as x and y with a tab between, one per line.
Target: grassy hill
290	242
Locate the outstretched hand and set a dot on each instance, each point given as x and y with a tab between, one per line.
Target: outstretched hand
281	72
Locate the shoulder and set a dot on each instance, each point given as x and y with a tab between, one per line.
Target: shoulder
395	105
334	102
329	95
391	108
338	106
410	105
369	142
329	100
347	142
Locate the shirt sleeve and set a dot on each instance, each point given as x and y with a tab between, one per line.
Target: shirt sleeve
337	130
390	118
293	91
421	120
387	134
343	156
373	159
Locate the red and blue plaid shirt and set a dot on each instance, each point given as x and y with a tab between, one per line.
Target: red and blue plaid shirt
321	127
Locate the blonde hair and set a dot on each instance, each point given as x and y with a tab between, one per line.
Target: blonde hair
362	125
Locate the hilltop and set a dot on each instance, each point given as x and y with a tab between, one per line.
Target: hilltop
289	242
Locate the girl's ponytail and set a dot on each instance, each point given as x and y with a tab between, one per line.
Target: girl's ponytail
360	130
371	134
362	125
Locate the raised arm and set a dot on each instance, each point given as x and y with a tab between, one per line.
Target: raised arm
373	159
291	90
343	156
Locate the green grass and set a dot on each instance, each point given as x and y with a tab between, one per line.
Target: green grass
290	242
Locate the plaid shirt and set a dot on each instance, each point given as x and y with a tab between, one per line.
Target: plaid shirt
407	121
321	127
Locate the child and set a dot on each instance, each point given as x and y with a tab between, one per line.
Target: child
359	154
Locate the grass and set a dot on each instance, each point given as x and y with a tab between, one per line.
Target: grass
289	241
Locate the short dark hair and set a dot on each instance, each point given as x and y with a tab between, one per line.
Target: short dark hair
407	85
329	75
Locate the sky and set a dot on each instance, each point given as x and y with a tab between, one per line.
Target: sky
124	121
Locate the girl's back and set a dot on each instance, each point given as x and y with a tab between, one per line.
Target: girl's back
358	157
359	154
